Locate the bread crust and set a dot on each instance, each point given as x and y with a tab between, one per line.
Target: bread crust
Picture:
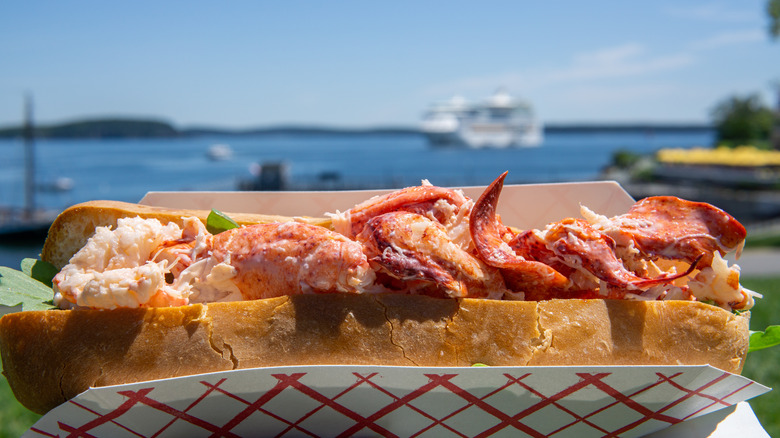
51	356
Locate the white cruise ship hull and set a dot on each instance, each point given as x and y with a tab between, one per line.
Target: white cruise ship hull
500	123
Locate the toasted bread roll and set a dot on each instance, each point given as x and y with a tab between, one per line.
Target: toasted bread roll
51	356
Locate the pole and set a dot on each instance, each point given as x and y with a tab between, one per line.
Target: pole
29	158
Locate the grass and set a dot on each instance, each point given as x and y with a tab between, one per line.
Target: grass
762	366
15	419
771	240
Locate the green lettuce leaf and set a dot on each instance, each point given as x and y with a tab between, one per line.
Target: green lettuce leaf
18	288
39	270
218	222
768	338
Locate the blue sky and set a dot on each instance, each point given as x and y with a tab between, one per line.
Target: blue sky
363	63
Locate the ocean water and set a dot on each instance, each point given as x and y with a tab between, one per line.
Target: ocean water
125	169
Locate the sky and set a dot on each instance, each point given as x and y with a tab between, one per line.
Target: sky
243	64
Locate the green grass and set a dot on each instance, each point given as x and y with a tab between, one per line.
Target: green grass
771	240
15	419
762	366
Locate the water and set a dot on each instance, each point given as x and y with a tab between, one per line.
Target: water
126	169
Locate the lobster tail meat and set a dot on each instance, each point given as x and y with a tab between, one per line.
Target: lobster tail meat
672	228
572	246
437	203
418	251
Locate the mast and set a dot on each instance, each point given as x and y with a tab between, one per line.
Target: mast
29	158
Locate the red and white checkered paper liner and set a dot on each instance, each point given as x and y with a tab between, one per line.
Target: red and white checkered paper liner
403	401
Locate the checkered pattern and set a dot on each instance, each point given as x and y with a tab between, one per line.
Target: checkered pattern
388	401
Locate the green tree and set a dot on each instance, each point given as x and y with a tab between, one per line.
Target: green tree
742	120
773	11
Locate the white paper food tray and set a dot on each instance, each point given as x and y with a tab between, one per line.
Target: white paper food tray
330	400
532	205
403	401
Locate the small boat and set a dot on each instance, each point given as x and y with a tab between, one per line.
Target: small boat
219	152
267	176
21	224
58	185
28	221
499	122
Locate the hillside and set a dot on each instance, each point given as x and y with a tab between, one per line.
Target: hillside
107	128
149	128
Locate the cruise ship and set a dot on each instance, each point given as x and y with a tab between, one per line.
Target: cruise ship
500	121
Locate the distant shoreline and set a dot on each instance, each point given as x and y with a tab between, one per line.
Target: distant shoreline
145	128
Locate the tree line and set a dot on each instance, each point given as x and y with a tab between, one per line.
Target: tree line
109	128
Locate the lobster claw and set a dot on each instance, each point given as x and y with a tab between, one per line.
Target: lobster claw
537	280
